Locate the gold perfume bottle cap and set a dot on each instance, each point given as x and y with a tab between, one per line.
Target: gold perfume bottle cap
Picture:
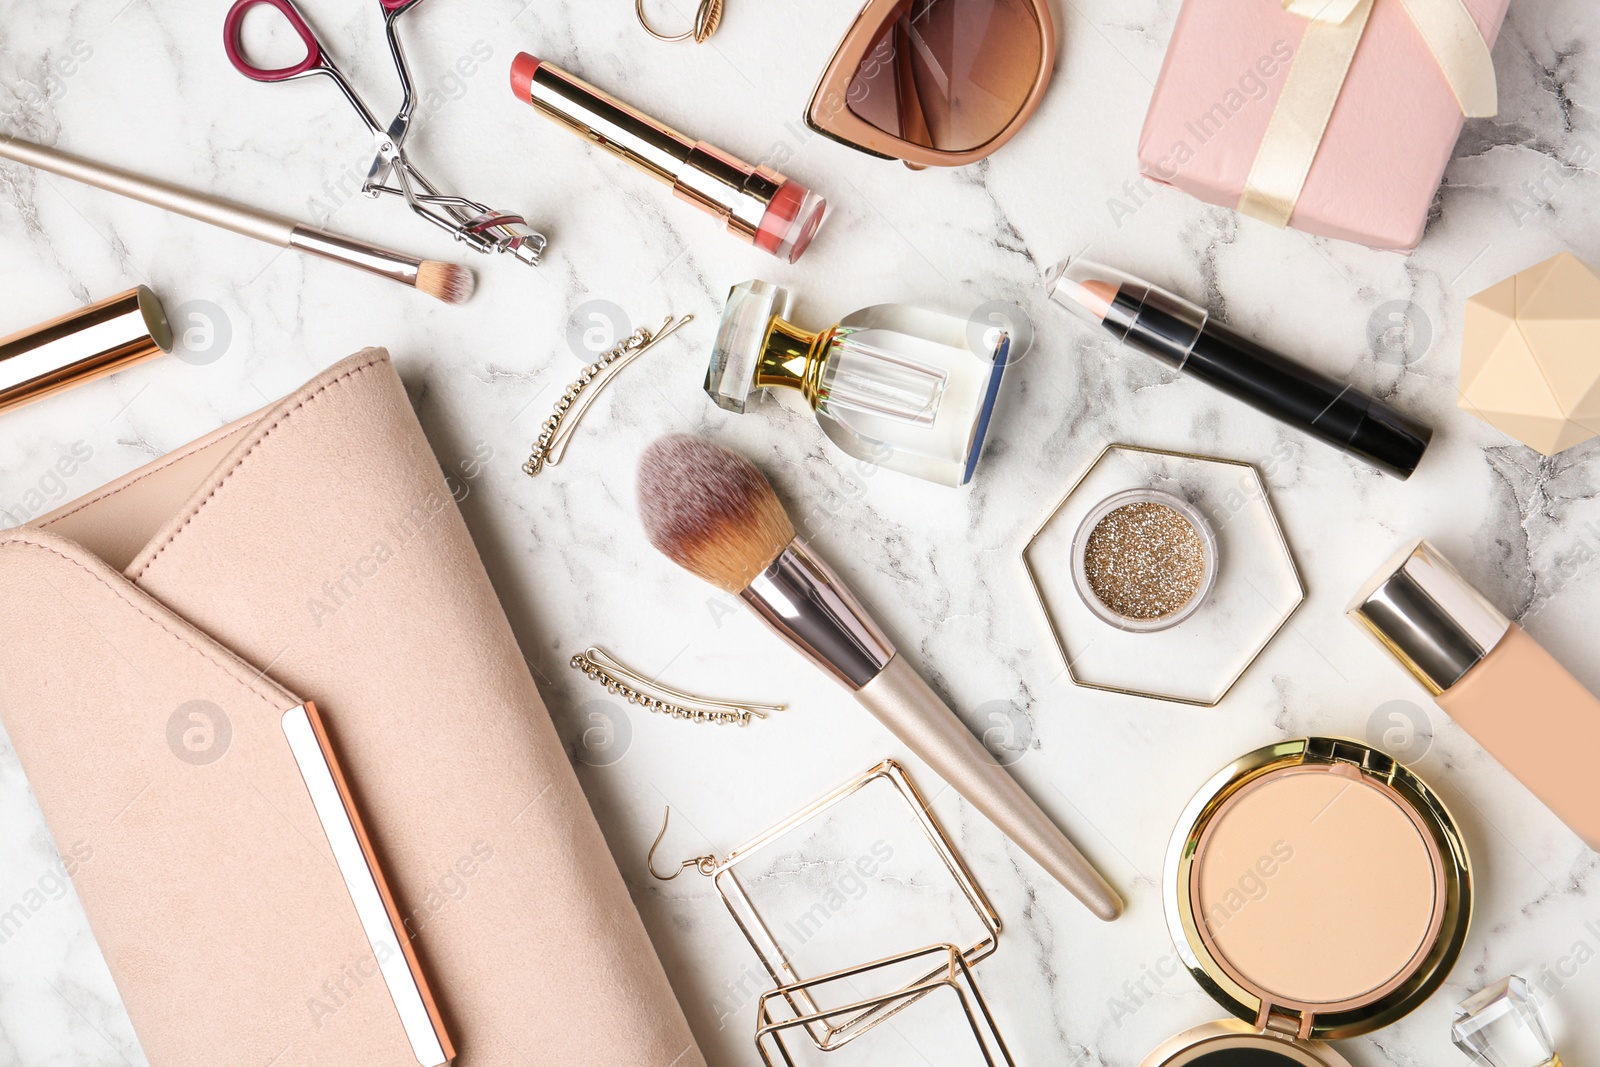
758	348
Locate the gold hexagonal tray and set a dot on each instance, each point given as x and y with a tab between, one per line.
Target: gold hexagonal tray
1198	661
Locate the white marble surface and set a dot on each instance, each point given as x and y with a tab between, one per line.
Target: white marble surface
150	89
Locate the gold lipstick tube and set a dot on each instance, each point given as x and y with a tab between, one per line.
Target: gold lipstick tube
81	346
757	204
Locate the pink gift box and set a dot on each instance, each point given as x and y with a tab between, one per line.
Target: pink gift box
1387	143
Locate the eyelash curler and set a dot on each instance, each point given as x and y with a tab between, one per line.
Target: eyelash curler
392	172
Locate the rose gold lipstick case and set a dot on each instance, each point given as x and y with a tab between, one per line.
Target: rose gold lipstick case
82	345
756	204
706	177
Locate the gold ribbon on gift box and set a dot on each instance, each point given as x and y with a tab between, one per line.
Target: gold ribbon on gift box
1317	75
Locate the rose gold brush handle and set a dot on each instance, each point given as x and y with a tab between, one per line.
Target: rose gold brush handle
264	226
801	598
913	712
251	222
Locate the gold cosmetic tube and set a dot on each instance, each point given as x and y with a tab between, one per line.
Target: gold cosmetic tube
81	346
755	203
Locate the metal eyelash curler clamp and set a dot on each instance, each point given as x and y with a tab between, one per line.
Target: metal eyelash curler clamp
474	224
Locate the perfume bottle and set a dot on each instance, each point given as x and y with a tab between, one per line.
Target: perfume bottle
1499	1026
896	386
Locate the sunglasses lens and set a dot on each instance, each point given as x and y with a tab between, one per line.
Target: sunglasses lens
949	74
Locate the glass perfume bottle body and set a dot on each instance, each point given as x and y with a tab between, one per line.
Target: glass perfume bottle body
903	387
896	386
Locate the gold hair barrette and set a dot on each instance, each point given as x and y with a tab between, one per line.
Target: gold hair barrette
653	696
556	432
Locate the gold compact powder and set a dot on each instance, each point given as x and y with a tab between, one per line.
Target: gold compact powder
1144	560
1319	890
1316	886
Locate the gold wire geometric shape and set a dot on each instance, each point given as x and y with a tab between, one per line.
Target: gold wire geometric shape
1239	512
831	1027
779	1013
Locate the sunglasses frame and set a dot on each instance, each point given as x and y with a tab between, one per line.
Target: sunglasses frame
846	127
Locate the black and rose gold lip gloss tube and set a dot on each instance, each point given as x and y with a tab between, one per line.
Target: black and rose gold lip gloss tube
1182	334
757	204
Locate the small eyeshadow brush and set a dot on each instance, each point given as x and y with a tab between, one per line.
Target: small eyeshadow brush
448	282
714	514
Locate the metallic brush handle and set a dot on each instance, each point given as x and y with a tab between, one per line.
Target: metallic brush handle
353	253
251	222
913	712
800	597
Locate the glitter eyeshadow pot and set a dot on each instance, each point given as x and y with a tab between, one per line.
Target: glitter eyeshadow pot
1317	890
1144	560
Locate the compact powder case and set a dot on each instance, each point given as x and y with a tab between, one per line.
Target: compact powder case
1316	889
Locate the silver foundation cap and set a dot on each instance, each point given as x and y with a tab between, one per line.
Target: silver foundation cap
1426	614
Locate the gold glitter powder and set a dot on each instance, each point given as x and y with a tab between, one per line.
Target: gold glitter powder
1144	560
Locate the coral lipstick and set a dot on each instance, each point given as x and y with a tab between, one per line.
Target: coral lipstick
757	204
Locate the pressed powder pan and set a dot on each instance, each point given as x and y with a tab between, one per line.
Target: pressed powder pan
1316	889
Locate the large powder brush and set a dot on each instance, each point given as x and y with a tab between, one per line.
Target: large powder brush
714	514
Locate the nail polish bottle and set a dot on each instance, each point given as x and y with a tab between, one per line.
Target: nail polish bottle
894	386
1494	680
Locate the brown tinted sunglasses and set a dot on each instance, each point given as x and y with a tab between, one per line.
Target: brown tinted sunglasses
937	83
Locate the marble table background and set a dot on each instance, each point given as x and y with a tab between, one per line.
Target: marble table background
149	88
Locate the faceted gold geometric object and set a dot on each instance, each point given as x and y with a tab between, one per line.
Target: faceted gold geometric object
1530	355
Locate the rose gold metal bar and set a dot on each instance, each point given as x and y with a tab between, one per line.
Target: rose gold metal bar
363	877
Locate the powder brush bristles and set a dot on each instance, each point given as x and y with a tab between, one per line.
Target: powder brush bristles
710	511
449	282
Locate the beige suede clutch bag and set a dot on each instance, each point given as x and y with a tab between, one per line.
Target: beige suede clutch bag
158	631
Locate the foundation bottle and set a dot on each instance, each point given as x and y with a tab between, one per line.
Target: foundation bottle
1493	679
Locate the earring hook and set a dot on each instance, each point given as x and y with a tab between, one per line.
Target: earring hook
704	864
